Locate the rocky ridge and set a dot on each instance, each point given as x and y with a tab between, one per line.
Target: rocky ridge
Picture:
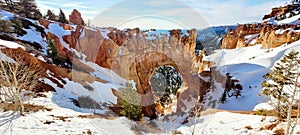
269	33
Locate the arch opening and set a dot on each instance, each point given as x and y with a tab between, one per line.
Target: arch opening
165	83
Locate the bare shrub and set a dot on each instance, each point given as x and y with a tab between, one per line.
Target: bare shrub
16	76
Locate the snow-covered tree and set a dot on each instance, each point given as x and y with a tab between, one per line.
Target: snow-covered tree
282	84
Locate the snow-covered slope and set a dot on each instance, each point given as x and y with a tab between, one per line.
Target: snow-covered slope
248	65
63	118
225	123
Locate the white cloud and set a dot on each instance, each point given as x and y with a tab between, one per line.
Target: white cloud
232	11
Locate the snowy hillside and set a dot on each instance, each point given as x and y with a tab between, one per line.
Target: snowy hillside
63	118
248	65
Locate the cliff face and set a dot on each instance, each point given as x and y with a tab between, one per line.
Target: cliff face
271	38
96	48
268	35
236	38
57	73
118	36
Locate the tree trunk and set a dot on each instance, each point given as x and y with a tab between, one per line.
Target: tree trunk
289	115
290	107
19	102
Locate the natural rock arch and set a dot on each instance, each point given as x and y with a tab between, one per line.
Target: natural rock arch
137	58
141	72
141	68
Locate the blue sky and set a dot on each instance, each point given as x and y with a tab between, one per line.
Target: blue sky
165	13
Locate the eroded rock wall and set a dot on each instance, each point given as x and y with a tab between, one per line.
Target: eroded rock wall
270	36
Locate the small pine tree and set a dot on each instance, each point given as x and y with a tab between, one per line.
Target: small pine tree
282	84
62	17
51	16
282	75
52	51
18	26
37	14
17	22
130	104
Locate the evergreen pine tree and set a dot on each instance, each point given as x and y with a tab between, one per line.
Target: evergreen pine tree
52	52
18	26
62	17
28	8
50	16
130	104
37	14
282	75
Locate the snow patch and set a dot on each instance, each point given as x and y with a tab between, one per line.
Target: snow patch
104	33
41	58
263	106
10	44
249	38
33	36
4	57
